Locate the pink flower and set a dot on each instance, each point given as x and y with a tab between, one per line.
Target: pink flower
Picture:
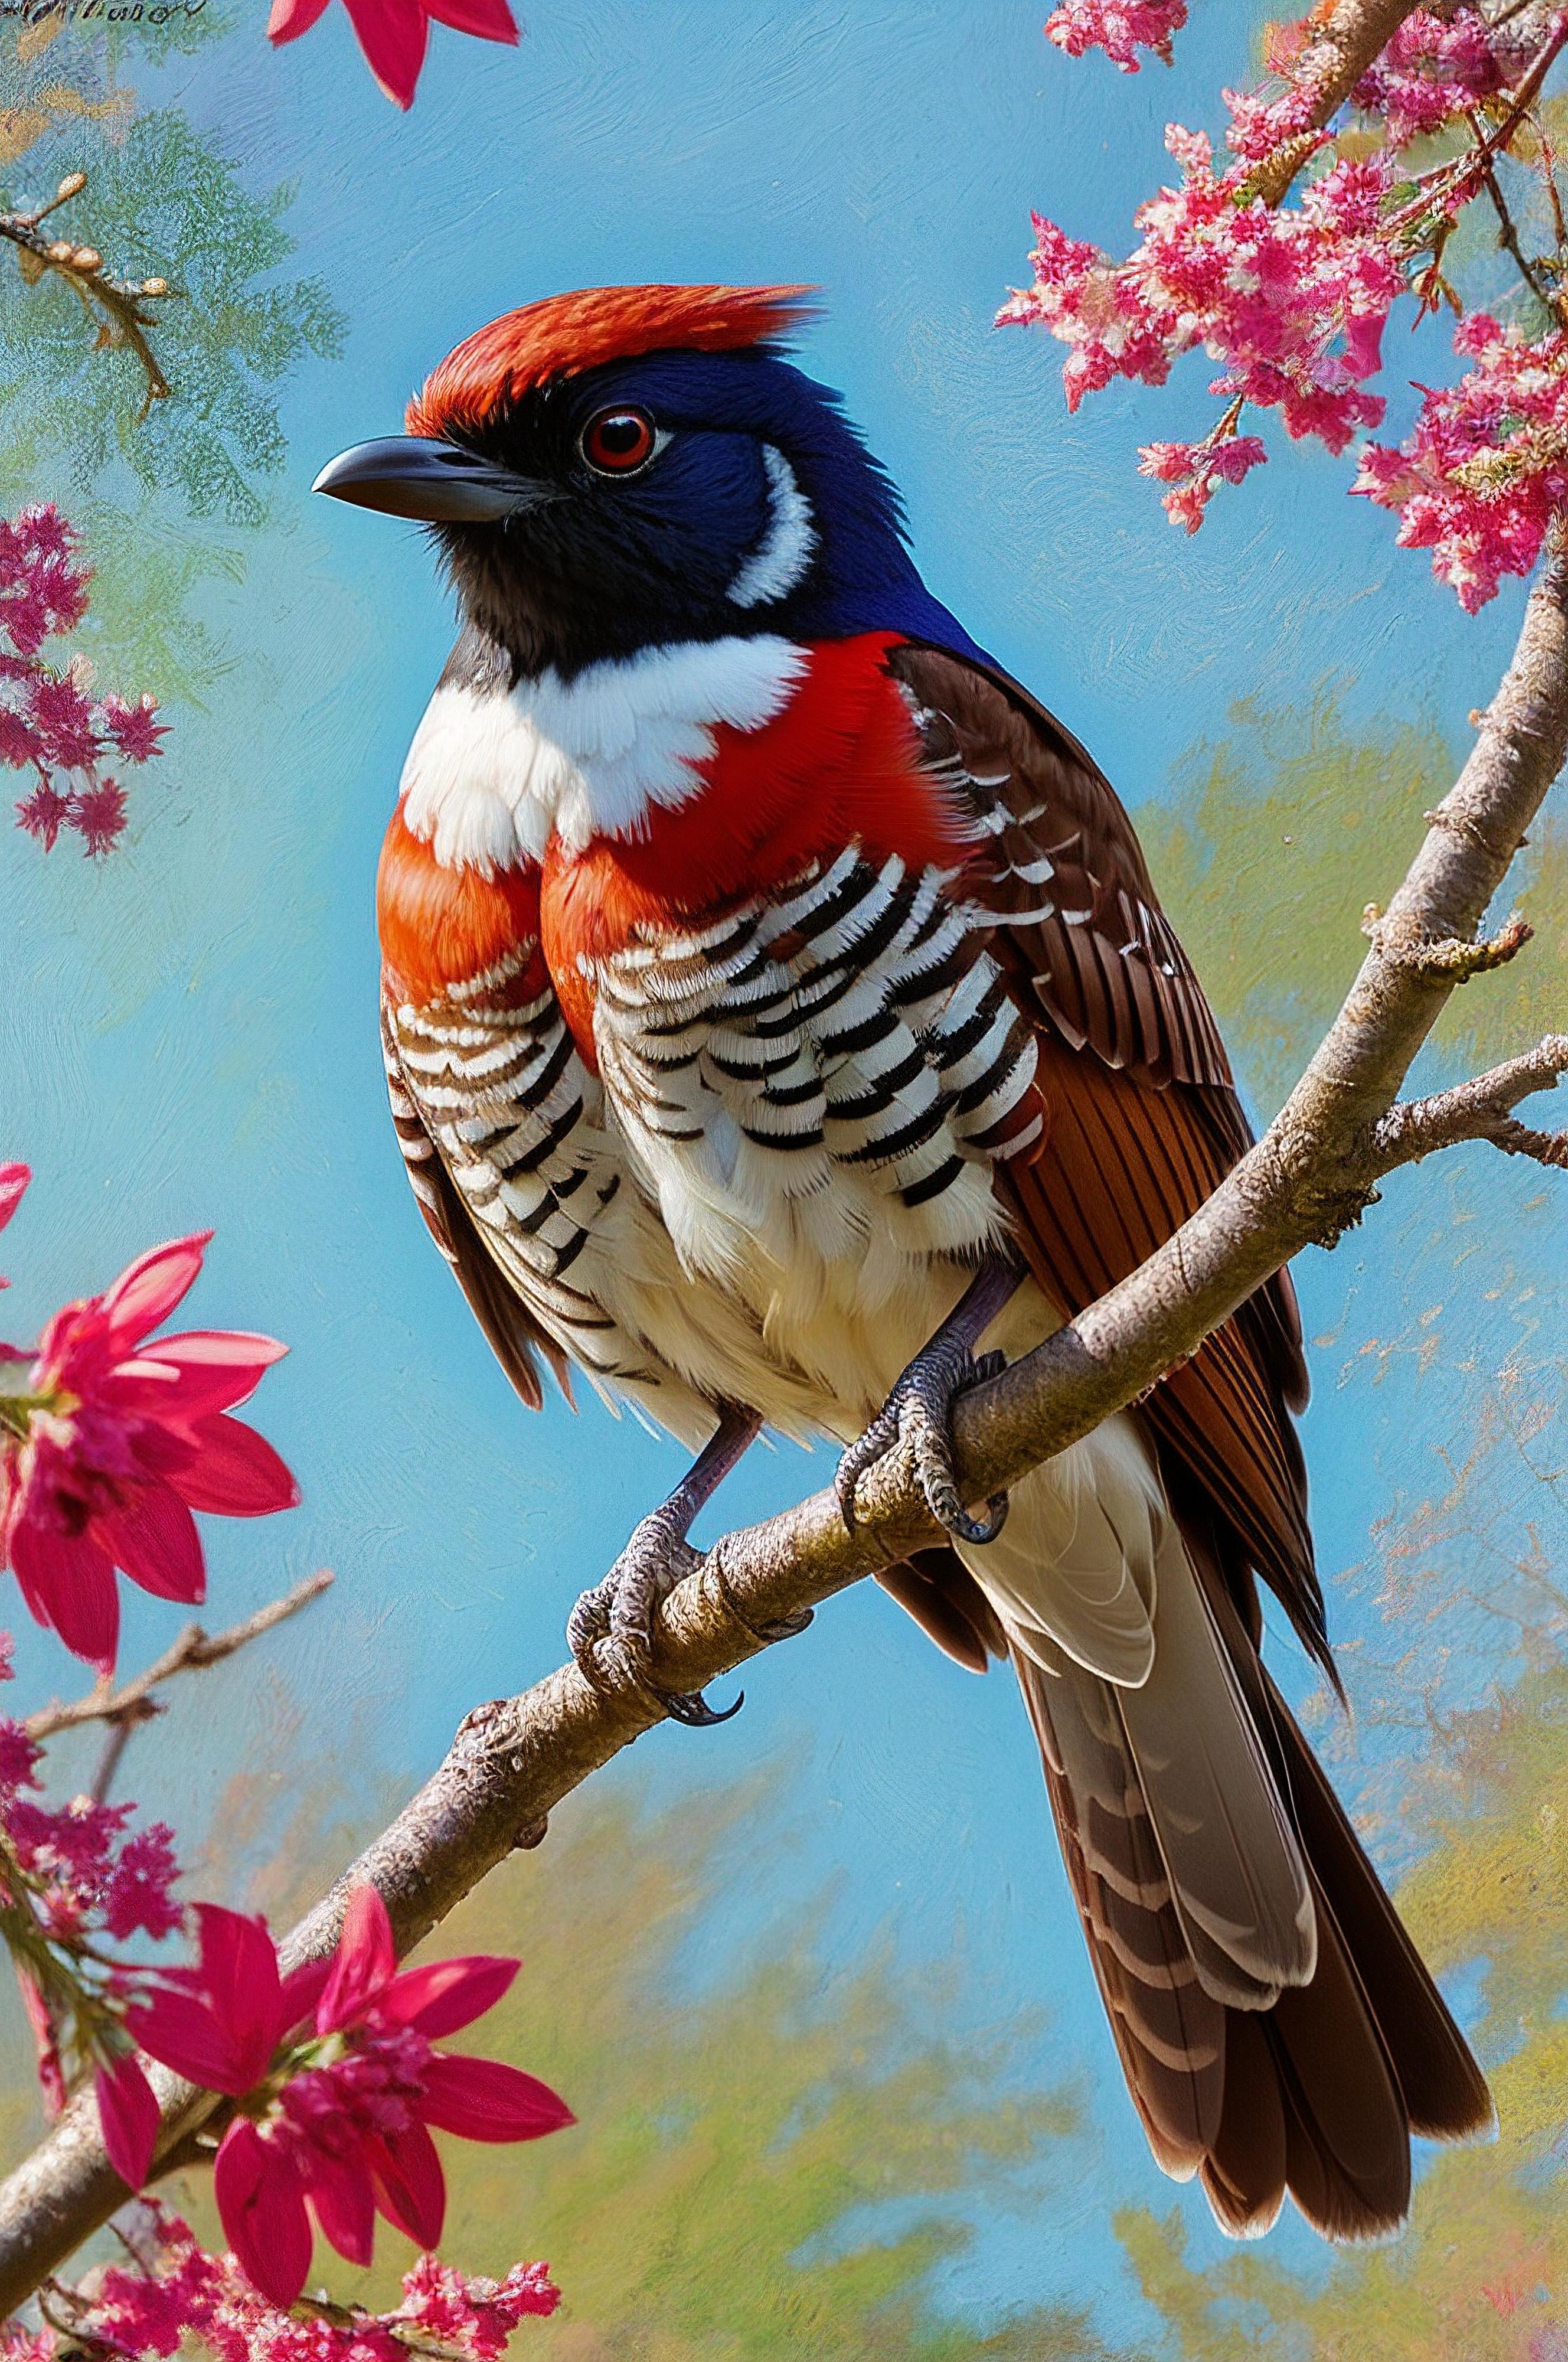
1485	469
122	1436
347	2118
135	730
1117	27
98	816
183	2297
393	33
43	814
46	2042
14	1179
1196	468
128	2112
48	723
62	718
1290	302
1432	69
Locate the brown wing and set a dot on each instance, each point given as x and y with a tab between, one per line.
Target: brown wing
514	1335
1144	1117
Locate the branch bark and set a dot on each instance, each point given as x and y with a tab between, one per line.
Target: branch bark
1310	1176
1356	32
194	1648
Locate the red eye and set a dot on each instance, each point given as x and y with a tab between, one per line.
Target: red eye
618	442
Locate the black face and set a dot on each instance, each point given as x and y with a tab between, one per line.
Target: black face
599	516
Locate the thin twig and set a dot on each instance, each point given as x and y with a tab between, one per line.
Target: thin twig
119	302
1480	1110
133	1702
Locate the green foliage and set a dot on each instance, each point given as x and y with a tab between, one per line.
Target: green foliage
1275	840
713	2199
160	202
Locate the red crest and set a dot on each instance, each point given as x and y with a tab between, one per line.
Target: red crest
566	334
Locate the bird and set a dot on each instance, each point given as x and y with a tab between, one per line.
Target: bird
782	1031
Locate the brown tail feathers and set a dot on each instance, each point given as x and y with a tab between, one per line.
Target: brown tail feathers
1275	2024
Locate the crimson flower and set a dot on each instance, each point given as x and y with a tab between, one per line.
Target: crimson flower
13	1180
112	1441
344	2121
393	33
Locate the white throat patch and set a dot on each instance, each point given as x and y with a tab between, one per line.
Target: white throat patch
780	558
489	776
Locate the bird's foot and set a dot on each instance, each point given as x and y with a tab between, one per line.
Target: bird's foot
610	1630
919	1412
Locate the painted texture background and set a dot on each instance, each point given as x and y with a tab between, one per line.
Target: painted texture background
811	1981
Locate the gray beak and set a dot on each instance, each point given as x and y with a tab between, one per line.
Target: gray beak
413	476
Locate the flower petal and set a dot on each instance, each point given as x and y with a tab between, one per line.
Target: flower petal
487	20
392	35
184	2033
447	1995
365	1964
301	1989
127	2114
153	1536
345	2205
236	1473
148	1290
14	1179
289	18
410	2188
239	1972
485	2099
69	1584
195	1373
263	2213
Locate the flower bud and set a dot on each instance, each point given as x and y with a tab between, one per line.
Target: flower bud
87	257
72	186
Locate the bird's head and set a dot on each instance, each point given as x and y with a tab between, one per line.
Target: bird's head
630	466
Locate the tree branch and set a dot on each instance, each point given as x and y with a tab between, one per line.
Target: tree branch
133	1702
1310	1176
120	302
1357	32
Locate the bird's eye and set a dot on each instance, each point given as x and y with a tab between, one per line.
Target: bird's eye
619	442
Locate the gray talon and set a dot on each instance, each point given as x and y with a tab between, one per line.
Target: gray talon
920	1411
609	1630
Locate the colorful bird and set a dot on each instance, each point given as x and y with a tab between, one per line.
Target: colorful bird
781	1025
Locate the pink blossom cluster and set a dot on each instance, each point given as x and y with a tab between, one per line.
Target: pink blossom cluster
1433	69
70	1876
1485	469
1291	302
1119	27
1195	471
49	724
110	1438
341	2081
86	1874
188	2295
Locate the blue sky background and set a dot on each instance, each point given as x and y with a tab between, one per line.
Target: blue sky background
188	1034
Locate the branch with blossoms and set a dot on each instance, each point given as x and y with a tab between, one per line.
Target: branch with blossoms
1293	299
118	306
176	2291
112	1435
49	722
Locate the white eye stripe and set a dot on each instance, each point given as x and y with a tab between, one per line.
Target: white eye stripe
780	560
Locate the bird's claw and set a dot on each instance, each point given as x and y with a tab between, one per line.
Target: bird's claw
609	1630
919	1412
